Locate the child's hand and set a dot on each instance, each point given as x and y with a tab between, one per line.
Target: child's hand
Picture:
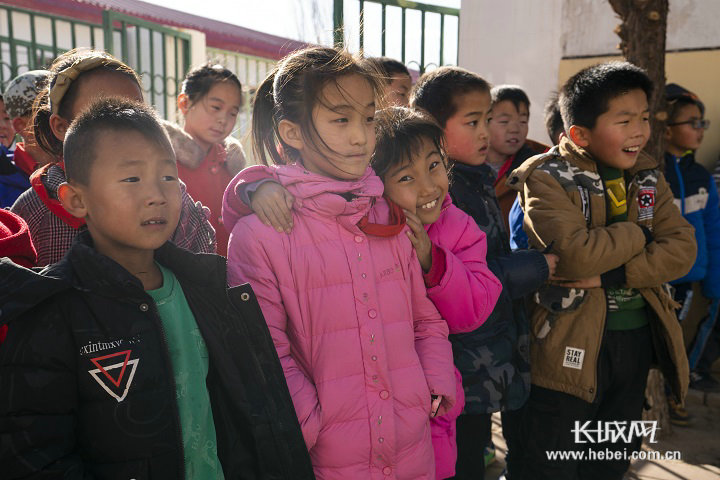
272	203
435	405
420	240
552	261
590	282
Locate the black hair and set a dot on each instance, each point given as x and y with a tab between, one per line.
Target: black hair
41	110
108	115
553	118
200	80
675	105
587	94
292	90
388	67
400	135
511	93
436	91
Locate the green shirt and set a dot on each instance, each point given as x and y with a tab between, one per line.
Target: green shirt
189	358
626	307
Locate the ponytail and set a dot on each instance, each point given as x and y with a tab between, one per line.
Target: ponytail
44	136
264	128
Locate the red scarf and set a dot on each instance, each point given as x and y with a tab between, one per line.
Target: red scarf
395	226
53	204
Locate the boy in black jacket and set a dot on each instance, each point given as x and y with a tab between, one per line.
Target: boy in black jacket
130	358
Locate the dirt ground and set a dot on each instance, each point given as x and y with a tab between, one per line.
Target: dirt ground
698	444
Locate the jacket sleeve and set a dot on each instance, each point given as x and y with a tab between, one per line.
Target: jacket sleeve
249	179
711	218
431	339
521	272
194	231
467	291
38	381
518	237
250	259
552	218
671	253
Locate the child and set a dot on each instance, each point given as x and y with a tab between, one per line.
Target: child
365	352
604	208
555	130
7	135
130	358
20	94
79	77
13	181
396	78
493	359
509	148
208	158
697	198
410	158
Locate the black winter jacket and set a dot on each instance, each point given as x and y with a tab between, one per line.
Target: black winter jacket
494	359
87	387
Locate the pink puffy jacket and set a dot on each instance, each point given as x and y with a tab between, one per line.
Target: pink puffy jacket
465	296
362	346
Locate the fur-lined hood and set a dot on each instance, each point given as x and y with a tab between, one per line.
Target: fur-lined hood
191	154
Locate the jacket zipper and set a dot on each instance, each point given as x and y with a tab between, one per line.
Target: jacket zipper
168	361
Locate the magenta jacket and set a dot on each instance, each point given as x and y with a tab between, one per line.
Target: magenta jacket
362	346
465	292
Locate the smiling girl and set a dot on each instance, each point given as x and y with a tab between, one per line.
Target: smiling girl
365	352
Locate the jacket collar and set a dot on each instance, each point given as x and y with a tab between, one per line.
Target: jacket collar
191	155
321	196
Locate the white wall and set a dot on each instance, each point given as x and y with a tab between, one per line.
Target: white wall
517	42
523	41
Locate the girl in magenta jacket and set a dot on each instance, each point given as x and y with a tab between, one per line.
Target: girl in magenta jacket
365	352
410	158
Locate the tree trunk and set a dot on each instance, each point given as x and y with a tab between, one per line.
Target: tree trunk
642	42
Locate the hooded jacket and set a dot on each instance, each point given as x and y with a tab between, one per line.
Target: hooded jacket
207	173
88	386
465	296
53	229
696	197
362	347
493	359
563	197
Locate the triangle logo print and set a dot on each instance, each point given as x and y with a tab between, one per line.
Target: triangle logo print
115	373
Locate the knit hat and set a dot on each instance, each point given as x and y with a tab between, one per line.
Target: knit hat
15	241
674	92
22	90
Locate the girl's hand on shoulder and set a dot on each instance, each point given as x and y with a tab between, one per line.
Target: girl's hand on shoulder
272	203
420	240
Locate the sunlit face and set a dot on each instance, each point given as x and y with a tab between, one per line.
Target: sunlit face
344	137
7	132
212	118
508	126
683	137
398	91
133	197
466	132
420	185
620	133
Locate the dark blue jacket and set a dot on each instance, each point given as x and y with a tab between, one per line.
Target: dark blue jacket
13	181
494	359
697	198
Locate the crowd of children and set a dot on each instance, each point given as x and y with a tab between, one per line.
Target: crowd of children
403	263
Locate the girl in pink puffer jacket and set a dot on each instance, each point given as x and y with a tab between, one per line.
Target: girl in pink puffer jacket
410	159
365	352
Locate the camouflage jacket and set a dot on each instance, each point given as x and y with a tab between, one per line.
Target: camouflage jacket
494	359
563	197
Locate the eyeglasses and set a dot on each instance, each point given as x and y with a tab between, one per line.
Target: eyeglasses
696	124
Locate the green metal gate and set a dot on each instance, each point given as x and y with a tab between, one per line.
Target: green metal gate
160	55
30	40
405	8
